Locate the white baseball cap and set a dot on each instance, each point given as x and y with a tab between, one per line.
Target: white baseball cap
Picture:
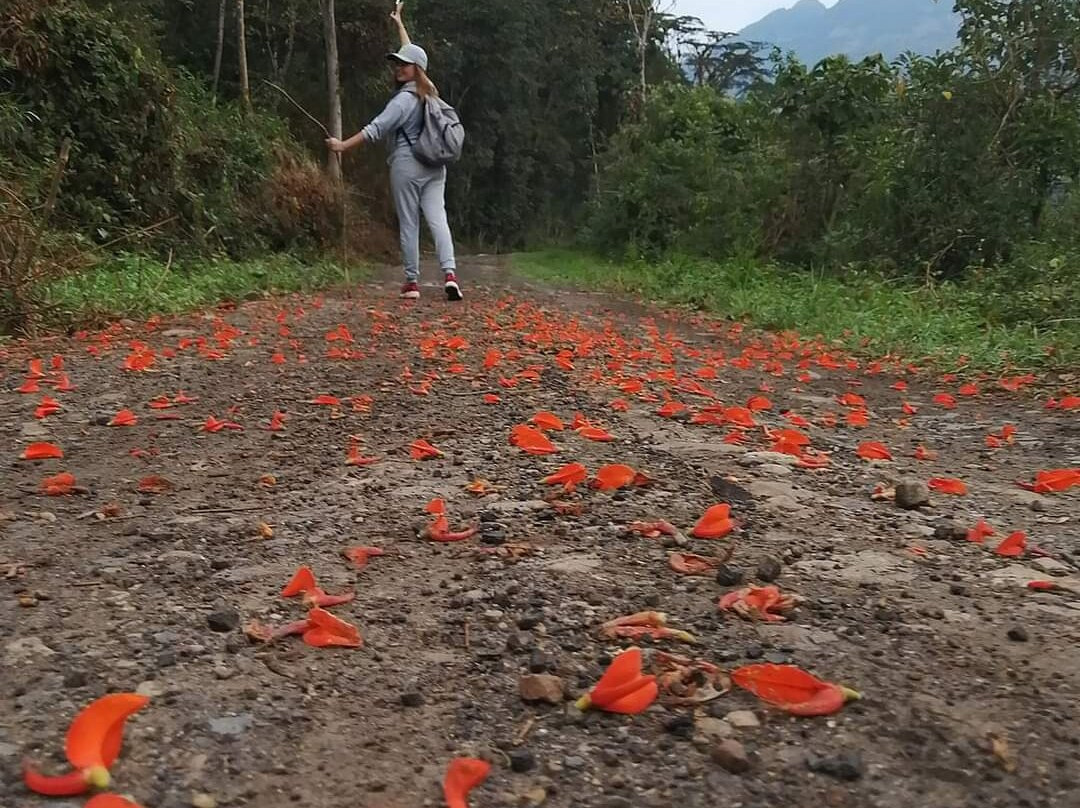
410	55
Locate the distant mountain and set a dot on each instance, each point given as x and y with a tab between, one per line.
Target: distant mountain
858	28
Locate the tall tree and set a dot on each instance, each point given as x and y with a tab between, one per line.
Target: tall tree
220	46
241	47
333	83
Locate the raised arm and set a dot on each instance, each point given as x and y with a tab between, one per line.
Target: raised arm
395	15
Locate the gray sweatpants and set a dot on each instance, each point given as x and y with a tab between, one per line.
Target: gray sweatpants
418	188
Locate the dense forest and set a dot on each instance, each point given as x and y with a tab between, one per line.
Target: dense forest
152	126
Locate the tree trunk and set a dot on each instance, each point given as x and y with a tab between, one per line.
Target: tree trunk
220	45
241	46
333	83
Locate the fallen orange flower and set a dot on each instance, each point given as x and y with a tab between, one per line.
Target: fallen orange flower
691	564
354	457
462	776
758	603
642	624
547	421
110	801
909	409
436	507
325	631
491	398
124	418
979	533
616	476
1053	482
47	407
213	424
757	403
739	416
154	484
29	386
531	440
568	476
922	453
92	746
671	409
1013	545
595	433
872	450
793	689
422	450
58	485
326	401
853	400
277	421
359	555
857	418
945	400
303	583
968	389
789	441
947	485
652	530
622	688
41	451
715	523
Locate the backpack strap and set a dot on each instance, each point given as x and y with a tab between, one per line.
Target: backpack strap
401	129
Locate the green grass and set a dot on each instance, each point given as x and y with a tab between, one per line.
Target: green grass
138	286
868	314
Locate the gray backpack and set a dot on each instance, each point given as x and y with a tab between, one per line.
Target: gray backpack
442	137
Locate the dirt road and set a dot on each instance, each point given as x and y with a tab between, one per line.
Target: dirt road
970	680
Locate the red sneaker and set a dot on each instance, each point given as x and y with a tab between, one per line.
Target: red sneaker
410	291
453	290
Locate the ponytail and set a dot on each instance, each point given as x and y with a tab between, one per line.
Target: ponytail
425	88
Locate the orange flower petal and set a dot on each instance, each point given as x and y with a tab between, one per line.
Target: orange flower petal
613	477
548	422
947	485
41	451
303	580
462	776
110	801
715	523
570	474
95	736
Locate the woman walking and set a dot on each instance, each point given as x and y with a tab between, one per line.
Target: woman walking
416	187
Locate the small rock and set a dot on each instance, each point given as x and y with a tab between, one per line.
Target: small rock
150	688
754	652
166	659
412	698
530	620
540	662
573	762
1017	634
768	570
203	801
541	687
709	727
948	530
75	678
742	719
728	576
681	726
520	641
225	619
731	755
521	760
224	672
958	589
911	494
842	767
231	725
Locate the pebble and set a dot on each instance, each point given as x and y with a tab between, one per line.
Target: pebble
231	725
541	687
728	576
768	570
521	760
203	801
574	762
958	589
412	698
75	678
731	755
1017	634
948	530
911	494
530	620
225	619
540	662
681	726
842	767
742	719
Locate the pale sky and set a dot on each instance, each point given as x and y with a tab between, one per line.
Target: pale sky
730	15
